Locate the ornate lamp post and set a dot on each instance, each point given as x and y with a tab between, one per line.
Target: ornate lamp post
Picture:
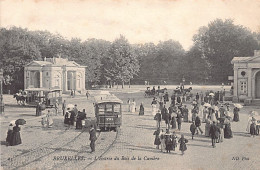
1	92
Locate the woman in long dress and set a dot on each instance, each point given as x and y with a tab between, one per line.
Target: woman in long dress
183	142
228	131
9	134
236	115
249	122
16	137
207	127
157	140
49	119
141	110
154	107
173	121
162	138
133	106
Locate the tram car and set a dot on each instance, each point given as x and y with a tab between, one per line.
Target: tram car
108	112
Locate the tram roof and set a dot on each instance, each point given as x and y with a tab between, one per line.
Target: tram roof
107	99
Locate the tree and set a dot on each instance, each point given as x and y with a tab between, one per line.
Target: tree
121	64
222	40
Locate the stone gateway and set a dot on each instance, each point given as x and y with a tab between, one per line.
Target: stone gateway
247	78
55	73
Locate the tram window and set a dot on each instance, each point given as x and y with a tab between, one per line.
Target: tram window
109	108
117	108
101	108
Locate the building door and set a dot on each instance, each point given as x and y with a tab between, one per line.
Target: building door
36	79
257	85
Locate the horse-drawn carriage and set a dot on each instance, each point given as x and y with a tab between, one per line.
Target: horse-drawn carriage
151	93
46	96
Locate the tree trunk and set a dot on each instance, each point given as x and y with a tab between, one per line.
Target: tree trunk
123	83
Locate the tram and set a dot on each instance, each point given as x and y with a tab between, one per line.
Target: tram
108	112
47	96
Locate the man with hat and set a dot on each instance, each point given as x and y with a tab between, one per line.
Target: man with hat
213	132
92	138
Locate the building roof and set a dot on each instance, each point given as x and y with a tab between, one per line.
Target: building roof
243	59
55	62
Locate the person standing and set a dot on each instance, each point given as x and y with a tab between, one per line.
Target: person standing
141	111
173	99
157	140
64	105
92	138
207	127
179	120
16	137
129	104
253	127
205	114
227	131
213	132
236	115
87	94
154	104
192	129
49	119
158	118
185	114
56	106
166	98
167	120
9	134
198	124
173	121
133	106
162	138
183	142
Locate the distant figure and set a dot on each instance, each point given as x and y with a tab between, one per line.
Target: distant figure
227	131
253	127
198	124
179	120
192	129
183	142
129	104
92	138
157	140
71	93
56	106
214	132
9	134
87	94
158	118
64	107
154	105
236	115
49	119
133	106
141	111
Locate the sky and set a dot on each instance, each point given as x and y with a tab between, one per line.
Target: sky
140	21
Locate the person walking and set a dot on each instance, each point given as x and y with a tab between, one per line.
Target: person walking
173	121
157	140
154	105
236	115
253	127
87	94
10	134
129	104
133	106
64	106
167	120
183	142
198	124
158	118
162	138
185	114
213	132
207	127
92	138
179	120
192	129
56	107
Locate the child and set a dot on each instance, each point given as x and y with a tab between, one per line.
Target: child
192	129
183	142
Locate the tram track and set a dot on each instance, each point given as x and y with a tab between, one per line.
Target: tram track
35	154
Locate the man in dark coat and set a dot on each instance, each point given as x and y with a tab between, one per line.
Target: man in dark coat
214	132
198	124
179	120
192	129
158	118
92	138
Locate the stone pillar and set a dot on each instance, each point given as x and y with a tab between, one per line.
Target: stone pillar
235	82
249	83
41	78
64	79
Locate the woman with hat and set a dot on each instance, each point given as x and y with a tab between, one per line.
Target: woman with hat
236	115
157	140
253	127
10	133
183	142
16	137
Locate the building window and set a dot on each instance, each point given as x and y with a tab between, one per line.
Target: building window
243	89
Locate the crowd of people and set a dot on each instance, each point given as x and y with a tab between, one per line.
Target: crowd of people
206	108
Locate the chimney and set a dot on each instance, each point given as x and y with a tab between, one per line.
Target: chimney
256	52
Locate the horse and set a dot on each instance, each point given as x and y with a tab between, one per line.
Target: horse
19	98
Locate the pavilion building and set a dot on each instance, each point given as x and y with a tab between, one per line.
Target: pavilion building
247	78
55	73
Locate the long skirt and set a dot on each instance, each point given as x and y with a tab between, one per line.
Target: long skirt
190	116
173	123
163	146
9	137
154	110
227	133
16	139
248	126
221	135
207	127
236	117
